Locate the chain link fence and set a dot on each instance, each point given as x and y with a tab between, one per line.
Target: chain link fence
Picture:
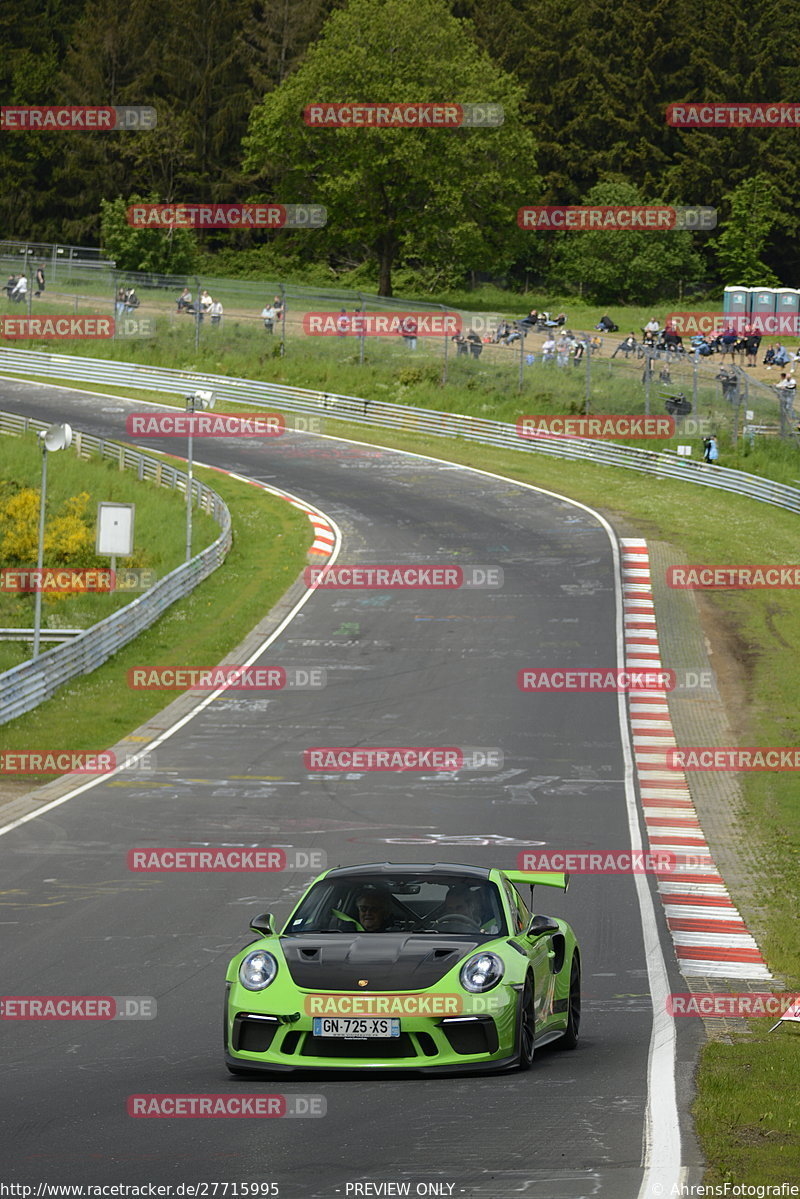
557	366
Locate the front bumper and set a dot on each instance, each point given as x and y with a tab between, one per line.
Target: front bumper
428	1044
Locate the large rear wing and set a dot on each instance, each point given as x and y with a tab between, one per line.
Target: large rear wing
544	878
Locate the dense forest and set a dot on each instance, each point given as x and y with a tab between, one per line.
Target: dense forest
584	89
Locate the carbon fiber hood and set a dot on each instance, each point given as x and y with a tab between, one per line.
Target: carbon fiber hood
388	961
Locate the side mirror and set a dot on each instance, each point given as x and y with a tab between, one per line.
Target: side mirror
263	924
539	925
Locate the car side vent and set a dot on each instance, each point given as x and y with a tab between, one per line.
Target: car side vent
439	954
310	953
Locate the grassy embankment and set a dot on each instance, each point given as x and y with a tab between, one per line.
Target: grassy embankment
269	547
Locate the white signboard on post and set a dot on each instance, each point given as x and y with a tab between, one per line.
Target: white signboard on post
115	530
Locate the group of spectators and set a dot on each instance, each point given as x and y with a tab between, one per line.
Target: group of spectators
16	287
726	343
568	346
272	313
126	301
205	306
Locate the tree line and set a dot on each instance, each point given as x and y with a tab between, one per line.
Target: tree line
584	90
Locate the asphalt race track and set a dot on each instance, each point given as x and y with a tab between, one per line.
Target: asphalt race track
403	668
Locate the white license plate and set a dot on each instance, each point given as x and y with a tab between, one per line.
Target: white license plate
356	1028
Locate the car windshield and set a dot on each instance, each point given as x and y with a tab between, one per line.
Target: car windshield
450	905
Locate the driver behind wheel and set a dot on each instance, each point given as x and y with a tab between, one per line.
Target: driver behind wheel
374	911
461	901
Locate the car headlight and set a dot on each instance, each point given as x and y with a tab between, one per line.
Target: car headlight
482	972
258	970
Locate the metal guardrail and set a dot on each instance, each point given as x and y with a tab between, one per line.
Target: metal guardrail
44	634
398	416
30	683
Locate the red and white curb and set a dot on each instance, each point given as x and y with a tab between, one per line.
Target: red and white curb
324	532
708	933
324	536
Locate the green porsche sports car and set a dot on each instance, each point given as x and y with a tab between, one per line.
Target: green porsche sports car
428	968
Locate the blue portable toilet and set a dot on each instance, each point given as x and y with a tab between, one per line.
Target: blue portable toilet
763	301
787	310
762	310
736	301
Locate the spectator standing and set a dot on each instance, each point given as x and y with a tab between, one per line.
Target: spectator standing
751	348
119	305
549	348
342	323
562	351
727	342
475	343
20	290
409	332
710	450
269	316
39	280
217	312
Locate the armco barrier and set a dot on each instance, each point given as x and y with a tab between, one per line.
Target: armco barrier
27	685
397	416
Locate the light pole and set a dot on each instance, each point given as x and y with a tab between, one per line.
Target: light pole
197	401
55	437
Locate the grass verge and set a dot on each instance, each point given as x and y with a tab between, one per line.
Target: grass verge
159	533
270	542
